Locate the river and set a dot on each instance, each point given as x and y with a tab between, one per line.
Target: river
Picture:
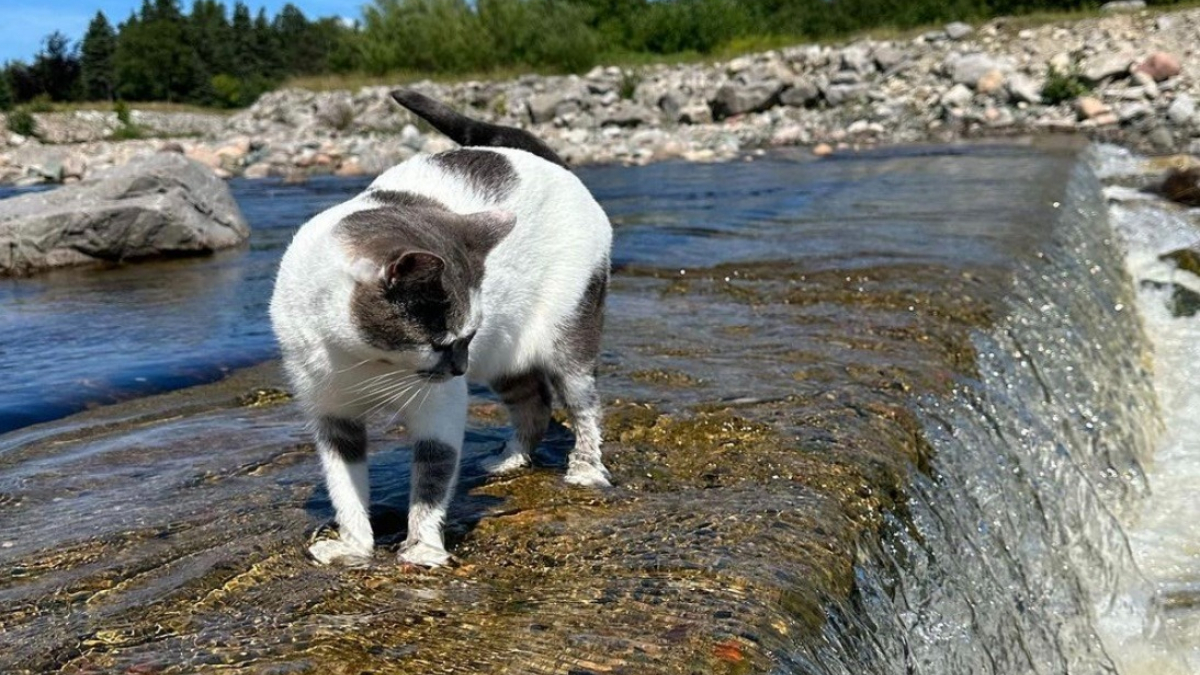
905	411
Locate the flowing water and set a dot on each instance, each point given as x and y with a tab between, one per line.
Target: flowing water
886	413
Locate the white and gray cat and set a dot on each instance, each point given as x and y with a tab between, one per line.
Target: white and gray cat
487	264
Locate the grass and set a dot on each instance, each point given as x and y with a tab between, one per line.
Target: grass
149	106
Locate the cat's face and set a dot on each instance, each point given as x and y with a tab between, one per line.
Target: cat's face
420	310
417	277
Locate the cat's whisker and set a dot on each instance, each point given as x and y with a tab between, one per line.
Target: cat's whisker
387	377
382	388
350	368
386	394
395	396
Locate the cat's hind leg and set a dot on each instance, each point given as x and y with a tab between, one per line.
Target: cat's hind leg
342	449
436	428
527	399
585	465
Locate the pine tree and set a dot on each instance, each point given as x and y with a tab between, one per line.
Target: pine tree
56	68
96	62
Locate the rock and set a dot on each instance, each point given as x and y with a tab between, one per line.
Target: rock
969	69
1021	89
1185	259
857	59
257	171
1182	110
350	167
626	114
161	205
888	57
1164	23
838	94
695	113
791	134
1089	107
734	99
800	94
822	150
991	82
958	96
1181	186
1123	6
544	107
1160	66
1147	83
1106	67
1130	112
958	30
1161	138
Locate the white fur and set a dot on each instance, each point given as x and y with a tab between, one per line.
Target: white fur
533	282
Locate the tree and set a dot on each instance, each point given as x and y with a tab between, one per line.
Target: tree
56	68
154	60
96	60
6	93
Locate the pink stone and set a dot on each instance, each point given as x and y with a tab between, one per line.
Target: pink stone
1160	66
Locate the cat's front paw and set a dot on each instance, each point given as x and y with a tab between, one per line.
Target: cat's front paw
337	552
587	475
425	555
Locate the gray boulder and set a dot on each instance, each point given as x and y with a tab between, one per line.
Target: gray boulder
163	205
1182	110
736	99
958	30
967	69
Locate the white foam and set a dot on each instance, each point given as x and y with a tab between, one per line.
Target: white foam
1158	630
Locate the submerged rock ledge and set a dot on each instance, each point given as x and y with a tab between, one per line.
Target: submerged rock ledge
818	521
1132	79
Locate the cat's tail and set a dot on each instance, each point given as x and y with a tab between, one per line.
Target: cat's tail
466	131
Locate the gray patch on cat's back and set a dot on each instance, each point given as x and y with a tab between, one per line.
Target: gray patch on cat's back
401	199
490	174
581	337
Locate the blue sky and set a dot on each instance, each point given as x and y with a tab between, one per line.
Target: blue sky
24	23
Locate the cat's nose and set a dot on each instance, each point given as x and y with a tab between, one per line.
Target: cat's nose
459	356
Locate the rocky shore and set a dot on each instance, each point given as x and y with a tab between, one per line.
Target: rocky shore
1138	71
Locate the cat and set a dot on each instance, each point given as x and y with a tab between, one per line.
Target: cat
487	263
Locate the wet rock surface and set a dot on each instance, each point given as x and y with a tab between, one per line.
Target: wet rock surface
160	206
761	425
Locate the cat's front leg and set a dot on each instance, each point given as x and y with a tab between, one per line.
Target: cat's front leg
342	448
436	429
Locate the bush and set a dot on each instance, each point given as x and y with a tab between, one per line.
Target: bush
21	121
40	104
1066	86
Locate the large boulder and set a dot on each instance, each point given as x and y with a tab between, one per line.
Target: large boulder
163	205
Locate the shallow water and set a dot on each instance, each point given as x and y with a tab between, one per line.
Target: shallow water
880	414
83	337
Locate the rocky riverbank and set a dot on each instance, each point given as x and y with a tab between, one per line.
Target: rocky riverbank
1126	77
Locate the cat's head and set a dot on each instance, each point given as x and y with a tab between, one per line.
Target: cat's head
417	274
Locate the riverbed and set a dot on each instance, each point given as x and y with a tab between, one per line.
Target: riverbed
887	412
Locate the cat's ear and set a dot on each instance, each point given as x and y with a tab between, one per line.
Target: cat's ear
412	268
489	227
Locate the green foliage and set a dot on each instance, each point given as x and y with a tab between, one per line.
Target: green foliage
96	60
124	114
630	79
6	93
21	121
40	104
1064	86
127	130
